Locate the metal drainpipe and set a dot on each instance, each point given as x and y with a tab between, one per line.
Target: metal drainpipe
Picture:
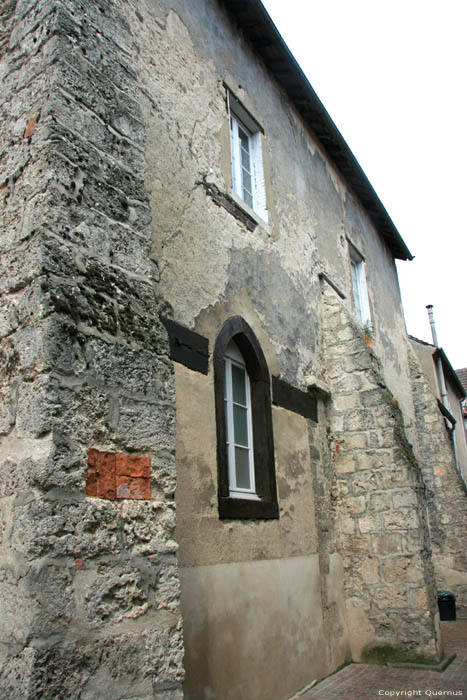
439	364
441	382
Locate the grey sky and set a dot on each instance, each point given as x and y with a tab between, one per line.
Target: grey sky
392	77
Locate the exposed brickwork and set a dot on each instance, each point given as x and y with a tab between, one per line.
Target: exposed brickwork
115	475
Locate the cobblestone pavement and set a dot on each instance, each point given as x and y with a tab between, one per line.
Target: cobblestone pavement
371	682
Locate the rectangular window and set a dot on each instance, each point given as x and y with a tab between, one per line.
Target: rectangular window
359	288
247	158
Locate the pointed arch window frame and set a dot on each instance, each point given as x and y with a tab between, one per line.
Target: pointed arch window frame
266	505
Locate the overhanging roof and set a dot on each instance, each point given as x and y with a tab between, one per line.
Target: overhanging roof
258	27
448	368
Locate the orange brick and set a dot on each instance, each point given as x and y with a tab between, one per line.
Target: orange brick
106	475
92	457
91	483
30	126
133	488
133	465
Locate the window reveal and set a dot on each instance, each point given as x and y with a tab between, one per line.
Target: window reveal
359	288
247	158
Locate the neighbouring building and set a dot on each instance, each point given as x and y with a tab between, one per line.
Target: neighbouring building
219	449
442	453
462	375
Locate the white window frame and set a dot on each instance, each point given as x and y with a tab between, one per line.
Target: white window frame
242	122
234	357
359	287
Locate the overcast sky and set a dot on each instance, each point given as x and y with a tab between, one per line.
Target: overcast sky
392	75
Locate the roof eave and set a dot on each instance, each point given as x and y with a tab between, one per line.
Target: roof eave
259	28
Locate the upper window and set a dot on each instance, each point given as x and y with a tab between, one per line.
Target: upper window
359	288
245	446
247	159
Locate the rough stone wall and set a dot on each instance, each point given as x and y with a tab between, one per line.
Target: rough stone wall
88	584
379	502
445	489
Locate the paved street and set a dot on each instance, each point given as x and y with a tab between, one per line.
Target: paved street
371	682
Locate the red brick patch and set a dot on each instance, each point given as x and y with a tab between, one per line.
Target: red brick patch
115	475
30	126
132	465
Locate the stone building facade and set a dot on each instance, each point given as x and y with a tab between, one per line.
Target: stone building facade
176	200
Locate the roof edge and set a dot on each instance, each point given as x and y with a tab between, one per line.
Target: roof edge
257	25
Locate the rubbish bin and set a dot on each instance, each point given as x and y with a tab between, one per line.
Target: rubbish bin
446	605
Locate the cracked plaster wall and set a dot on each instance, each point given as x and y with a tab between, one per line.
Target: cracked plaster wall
204	254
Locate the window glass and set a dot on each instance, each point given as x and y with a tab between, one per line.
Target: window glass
240	425
242	468
238	385
359	288
237	402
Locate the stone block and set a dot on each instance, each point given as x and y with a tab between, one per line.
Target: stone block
362	483
359	419
357	362
405	499
390	596
371	398
368	569
355	505
345	463
401	520
403	568
386	543
347	525
345	402
346	383
379	501
355	441
393	477
369	523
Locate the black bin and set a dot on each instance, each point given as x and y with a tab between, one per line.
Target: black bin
446	605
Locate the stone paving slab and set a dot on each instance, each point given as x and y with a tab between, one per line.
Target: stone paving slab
371	682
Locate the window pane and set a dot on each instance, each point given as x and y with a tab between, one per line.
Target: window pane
238	385
356	289
244	139
245	159
242	468
247	197
225	379
240	425
246	179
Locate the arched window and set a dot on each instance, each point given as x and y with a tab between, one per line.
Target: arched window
245	445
